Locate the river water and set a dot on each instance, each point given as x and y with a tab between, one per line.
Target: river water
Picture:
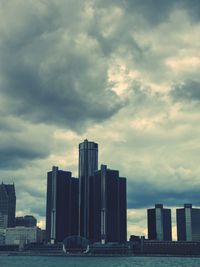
33	261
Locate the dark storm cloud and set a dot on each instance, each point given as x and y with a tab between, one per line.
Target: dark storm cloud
157	11
20	144
54	74
16	157
189	91
145	194
154	11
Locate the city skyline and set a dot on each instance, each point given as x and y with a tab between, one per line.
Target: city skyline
67	173
62	220
122	73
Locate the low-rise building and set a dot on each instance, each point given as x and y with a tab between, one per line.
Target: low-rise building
22	235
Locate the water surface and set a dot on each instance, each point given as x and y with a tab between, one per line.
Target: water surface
33	261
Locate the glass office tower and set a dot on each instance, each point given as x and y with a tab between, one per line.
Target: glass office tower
62	205
108	209
88	164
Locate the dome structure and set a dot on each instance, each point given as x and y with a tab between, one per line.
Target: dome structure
75	244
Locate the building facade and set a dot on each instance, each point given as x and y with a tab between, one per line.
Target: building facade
3	221
159	223
188	223
88	164
108	207
22	235
62	205
7	204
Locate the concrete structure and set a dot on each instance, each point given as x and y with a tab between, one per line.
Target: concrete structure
62	205
188	223
159	223
22	235
7	204
88	164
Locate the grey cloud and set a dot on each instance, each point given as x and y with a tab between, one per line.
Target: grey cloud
16	157
49	75
156	11
20	144
29	206
143	194
189	91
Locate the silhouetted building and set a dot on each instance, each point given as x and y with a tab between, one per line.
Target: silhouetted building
159	223
7	204
26	221
188	223
62	205
108	207
88	164
74	206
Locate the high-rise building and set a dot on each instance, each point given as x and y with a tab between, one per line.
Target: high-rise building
122	210
88	164
188	223
74	205
62	205
26	221
159	223
108	207
7	204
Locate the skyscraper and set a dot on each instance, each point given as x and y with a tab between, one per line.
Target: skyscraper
88	164
122	210
7	204
188	223
108	206
159	223
62	205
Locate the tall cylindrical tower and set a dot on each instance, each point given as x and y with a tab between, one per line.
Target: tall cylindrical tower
88	164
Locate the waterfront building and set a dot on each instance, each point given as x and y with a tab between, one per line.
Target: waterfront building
142	246
22	235
88	164
7	204
62	205
188	223
108	207
159	223
26	221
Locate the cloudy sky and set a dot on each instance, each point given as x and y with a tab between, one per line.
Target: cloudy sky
123	73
